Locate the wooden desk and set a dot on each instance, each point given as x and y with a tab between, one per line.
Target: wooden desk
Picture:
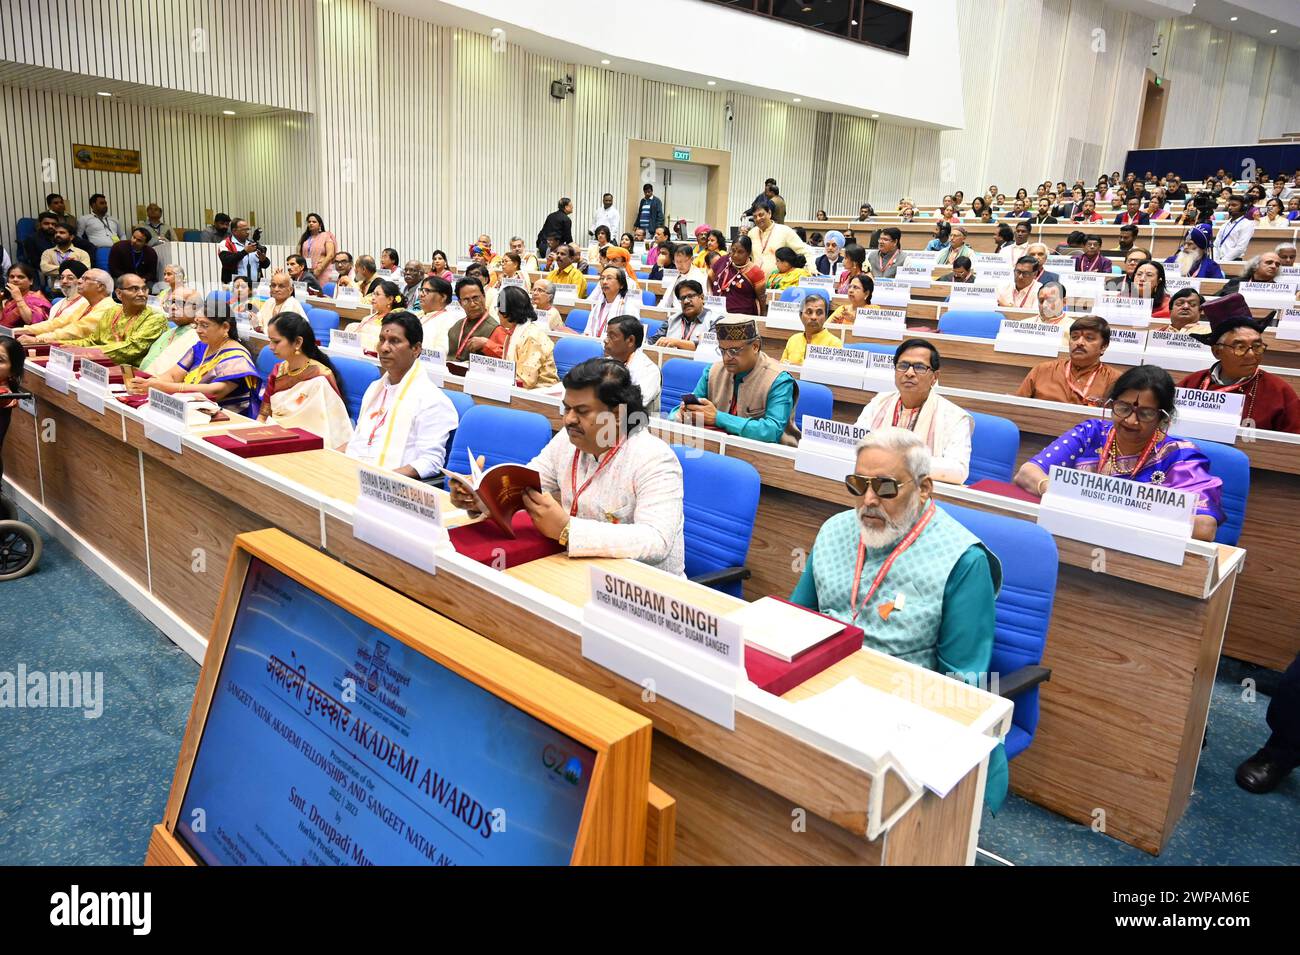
1098	672
152	515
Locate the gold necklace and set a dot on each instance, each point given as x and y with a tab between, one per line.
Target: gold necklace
290	372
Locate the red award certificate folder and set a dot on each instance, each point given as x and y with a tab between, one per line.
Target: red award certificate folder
778	677
297	440
483	541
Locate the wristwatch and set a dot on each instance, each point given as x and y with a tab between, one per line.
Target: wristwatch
563	539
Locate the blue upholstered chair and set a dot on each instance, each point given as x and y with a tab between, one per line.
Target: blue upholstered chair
26	229
815	399
873	347
101	258
499	436
266	362
970	324
577	320
570	351
191	235
993	448
720	502
649	298
678	375
653	328
354	377
792	294
321	321
1231	466
1023	612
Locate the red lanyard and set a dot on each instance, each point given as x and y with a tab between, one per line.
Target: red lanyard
603	319
1086	388
884	266
903	545
911	416
1110	441
573	475
464	336
1023	299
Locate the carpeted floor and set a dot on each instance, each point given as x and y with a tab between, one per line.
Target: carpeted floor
83	791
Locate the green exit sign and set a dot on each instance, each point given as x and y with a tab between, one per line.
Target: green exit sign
684	155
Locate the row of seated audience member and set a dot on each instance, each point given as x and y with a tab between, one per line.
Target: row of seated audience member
617	491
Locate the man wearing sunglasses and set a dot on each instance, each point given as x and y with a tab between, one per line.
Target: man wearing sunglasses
758	397
919	584
1237	342
915	405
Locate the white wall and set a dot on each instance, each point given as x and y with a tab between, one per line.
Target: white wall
691	39
188	162
1226	88
251	50
1051	90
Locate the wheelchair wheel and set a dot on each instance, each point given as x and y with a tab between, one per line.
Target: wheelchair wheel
20	549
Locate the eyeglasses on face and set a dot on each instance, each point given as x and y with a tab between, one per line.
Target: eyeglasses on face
1119	410
919	367
1240	348
733	350
884	488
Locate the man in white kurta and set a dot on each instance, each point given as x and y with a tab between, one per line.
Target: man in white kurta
944	427
405	419
607	491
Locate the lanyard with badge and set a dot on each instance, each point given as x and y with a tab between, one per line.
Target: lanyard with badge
897	552
573	475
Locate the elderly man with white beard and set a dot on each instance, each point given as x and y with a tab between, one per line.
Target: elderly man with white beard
1192	260
920	585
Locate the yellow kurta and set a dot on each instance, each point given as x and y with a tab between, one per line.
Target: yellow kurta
570	276
797	346
125	340
73	323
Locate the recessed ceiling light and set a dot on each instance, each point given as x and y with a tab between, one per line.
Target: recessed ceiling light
102	93
875	116
604	62
1272	31
1232	19
713	83
853	23
798	100
228	112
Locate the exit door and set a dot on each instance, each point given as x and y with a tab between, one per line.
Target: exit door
684	188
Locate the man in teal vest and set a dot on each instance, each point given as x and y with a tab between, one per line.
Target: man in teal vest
917	582
747	393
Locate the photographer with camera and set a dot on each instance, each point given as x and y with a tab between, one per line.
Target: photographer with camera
242	254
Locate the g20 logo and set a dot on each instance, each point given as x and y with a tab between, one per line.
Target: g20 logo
567	767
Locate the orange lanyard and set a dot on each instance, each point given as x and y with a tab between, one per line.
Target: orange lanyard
903	545
573	475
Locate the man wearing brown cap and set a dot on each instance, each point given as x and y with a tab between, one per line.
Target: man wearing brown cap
746	394
1237	342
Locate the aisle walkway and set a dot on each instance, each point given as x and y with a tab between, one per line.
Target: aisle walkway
83	791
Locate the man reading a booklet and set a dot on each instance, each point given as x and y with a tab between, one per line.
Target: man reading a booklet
609	488
404	420
915	580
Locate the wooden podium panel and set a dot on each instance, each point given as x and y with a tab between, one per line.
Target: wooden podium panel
613	822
